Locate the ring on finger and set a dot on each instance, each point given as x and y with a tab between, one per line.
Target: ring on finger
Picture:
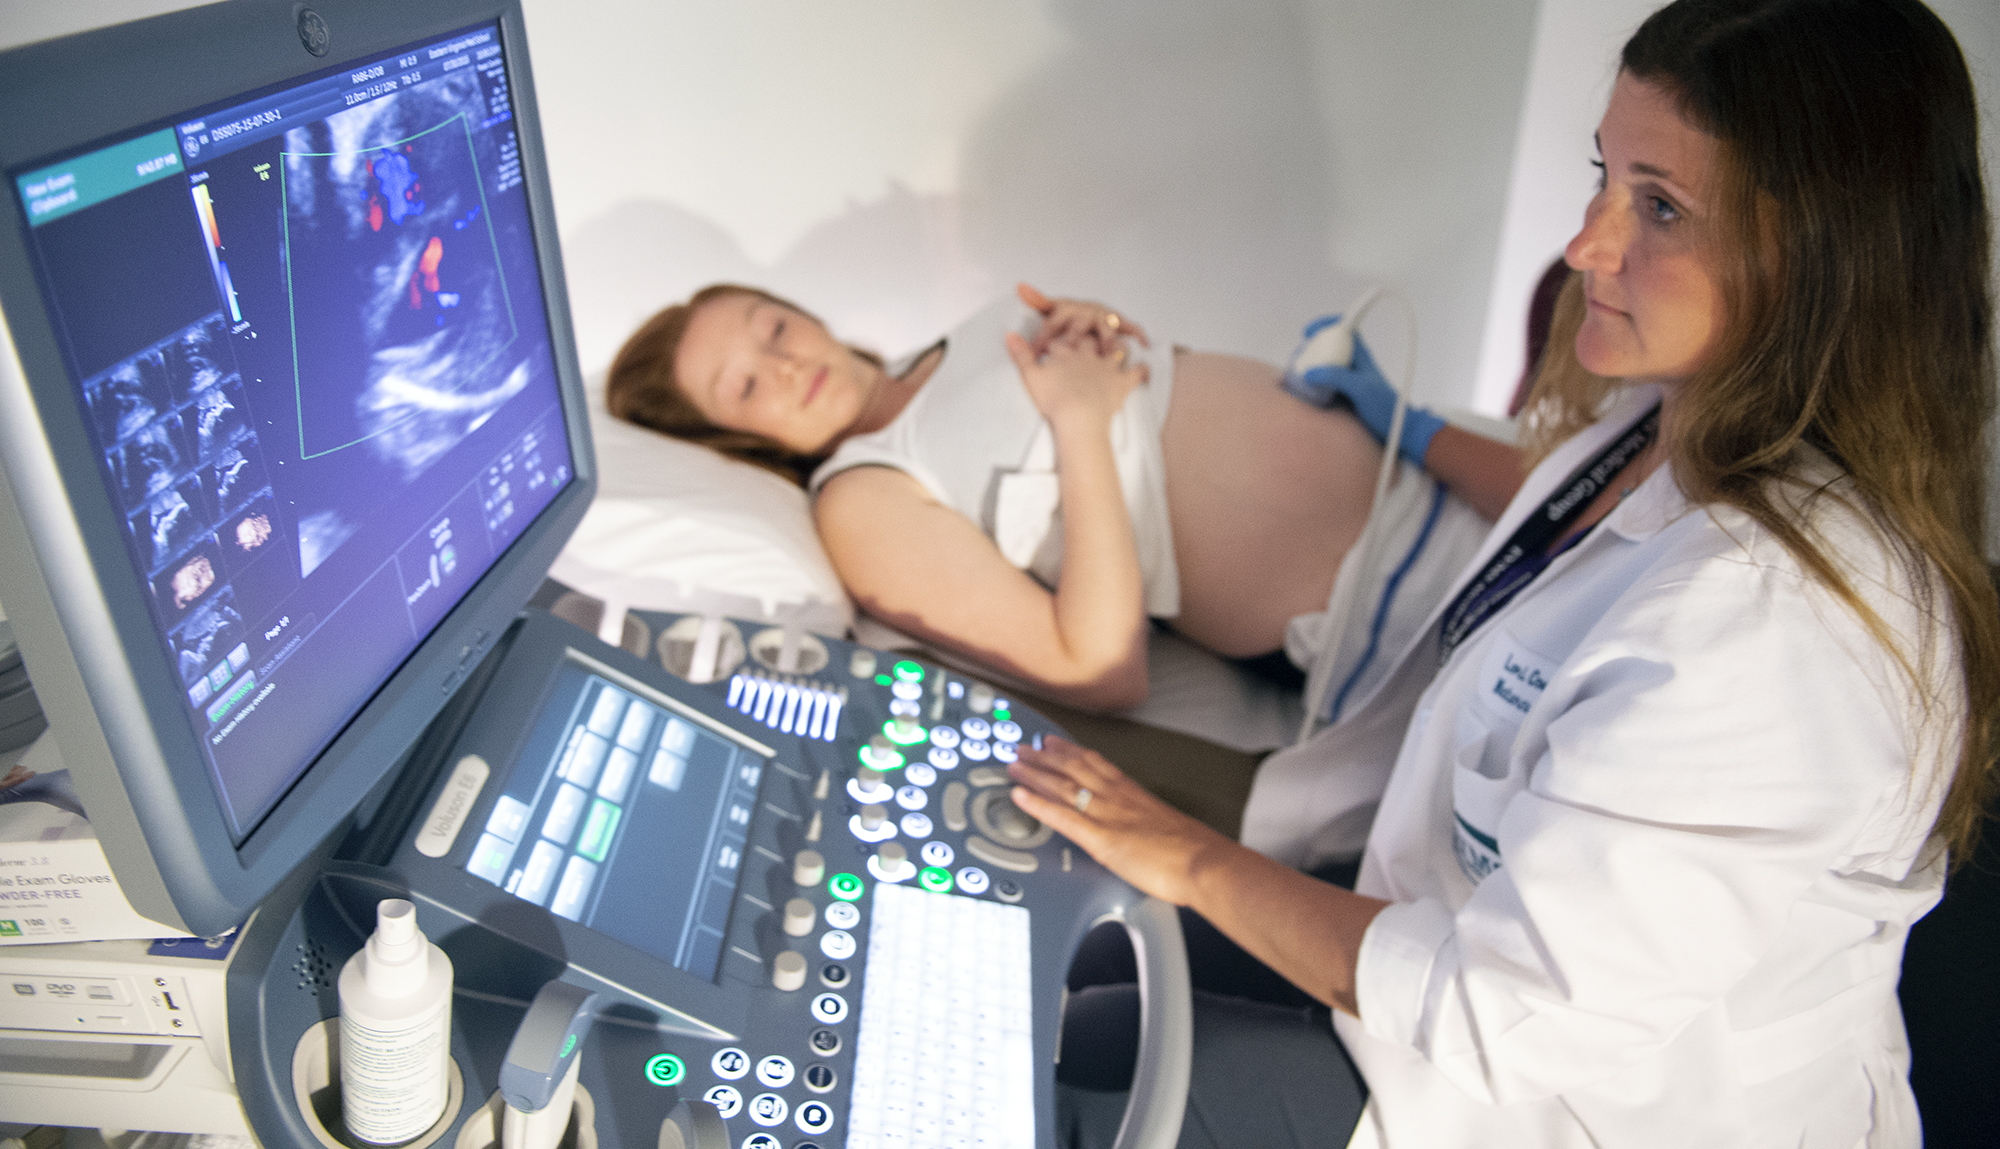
1113	320
1082	799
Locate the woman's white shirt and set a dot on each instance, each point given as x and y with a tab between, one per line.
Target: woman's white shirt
975	442
1655	838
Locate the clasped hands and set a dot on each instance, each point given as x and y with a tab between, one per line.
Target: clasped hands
1078	364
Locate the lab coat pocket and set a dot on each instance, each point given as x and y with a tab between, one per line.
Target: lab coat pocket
1486	773
1480	790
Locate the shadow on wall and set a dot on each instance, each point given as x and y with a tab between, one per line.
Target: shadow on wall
1171	163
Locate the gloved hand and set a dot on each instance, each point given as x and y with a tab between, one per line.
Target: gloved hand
1362	387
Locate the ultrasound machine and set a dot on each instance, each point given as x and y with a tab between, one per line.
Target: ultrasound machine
291	428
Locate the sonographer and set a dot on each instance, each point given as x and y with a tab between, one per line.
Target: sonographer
1715	705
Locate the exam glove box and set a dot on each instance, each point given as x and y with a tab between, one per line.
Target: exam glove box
55	885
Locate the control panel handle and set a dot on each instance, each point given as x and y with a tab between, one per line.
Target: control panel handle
538	1077
694	1124
1166	1027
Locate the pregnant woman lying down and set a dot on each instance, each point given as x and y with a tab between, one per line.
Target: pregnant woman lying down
1029	489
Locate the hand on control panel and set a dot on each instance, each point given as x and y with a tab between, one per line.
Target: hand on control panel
1132	833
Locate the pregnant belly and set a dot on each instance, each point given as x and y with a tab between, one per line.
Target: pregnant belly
1266	495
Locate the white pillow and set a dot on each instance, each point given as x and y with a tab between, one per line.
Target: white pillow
679	527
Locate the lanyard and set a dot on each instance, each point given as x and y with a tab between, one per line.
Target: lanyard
1526	553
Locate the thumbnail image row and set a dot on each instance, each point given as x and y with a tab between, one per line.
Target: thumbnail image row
216	557
166	377
156	456
167	525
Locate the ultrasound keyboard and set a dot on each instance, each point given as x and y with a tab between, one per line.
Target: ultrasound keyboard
945	1052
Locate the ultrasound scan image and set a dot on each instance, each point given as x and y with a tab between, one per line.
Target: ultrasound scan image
234	476
211	630
405	332
198	358
320	534
187	579
218	417
151	461
248	535
167	524
126	399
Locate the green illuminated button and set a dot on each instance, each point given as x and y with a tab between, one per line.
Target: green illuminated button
909	671
846	887
881	757
664	1069
881	680
935	880
1001	714
598	829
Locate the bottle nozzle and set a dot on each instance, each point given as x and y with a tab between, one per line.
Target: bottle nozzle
397	940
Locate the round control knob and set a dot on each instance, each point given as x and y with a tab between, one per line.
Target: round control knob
808	868
868	776
1012	823
872	817
788	971
892	857
862	664
979	698
903	728
799	917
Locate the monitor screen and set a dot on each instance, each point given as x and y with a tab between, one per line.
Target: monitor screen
291	424
309	337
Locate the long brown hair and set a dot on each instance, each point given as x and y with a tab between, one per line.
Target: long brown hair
1853	256
643	389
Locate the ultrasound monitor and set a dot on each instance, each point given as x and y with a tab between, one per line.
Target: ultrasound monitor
290	419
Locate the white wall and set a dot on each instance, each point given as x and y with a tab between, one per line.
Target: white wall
1223	172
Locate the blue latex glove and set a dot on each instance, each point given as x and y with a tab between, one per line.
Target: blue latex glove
1362	387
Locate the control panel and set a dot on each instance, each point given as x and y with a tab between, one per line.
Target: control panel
802	886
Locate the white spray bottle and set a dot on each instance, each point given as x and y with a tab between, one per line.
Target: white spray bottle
395	1030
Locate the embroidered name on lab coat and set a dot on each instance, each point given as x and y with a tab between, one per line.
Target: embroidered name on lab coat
1514	679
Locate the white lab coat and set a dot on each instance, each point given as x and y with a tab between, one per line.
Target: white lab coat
1655	838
